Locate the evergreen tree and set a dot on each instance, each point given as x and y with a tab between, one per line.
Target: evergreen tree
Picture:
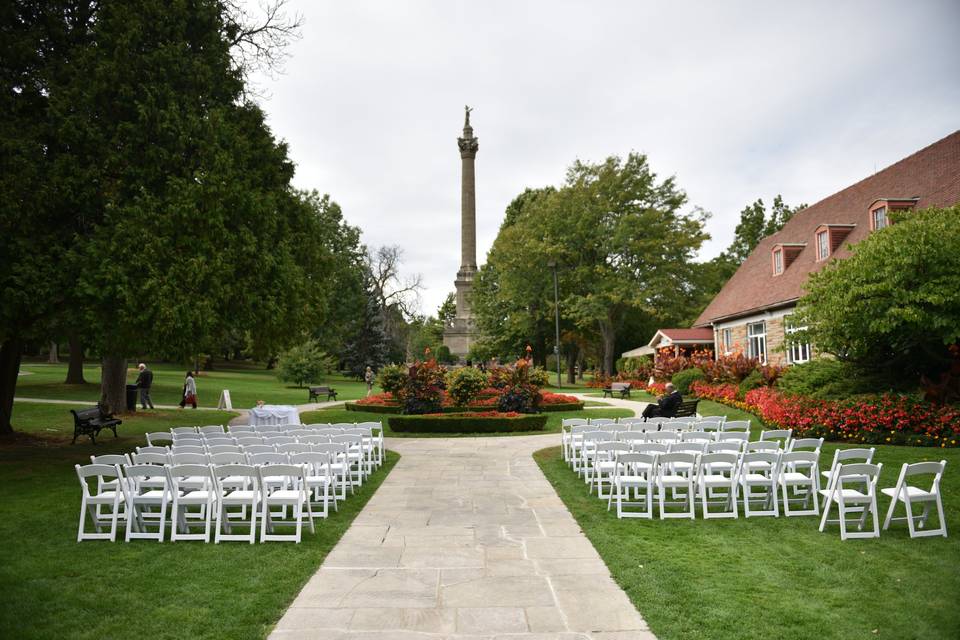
367	346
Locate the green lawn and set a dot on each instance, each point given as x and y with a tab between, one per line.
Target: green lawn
57	588
336	414
779	577
246	385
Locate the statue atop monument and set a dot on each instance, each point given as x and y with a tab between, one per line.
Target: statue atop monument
466	119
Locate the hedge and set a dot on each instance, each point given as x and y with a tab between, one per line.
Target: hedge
466	423
398	409
566	406
374	408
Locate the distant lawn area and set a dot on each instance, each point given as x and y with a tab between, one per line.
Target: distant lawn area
58	588
779	577
338	414
246	385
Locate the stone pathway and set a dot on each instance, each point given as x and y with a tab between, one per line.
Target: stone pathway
464	540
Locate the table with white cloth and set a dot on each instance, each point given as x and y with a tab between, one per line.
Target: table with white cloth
270	414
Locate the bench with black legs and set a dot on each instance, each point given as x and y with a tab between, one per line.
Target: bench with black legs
89	422
622	388
316	392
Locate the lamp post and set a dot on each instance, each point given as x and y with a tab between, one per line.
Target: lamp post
556	307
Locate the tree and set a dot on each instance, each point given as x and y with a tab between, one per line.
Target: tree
398	297
894	304
755	225
367	346
624	252
304	363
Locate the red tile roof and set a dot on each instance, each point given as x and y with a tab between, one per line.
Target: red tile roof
932	175
702	334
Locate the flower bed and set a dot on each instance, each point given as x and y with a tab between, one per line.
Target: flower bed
469	422
559	402
886	419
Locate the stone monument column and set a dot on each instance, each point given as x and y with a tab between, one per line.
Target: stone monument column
461	333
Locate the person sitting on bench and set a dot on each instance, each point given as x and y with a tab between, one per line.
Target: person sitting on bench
666	406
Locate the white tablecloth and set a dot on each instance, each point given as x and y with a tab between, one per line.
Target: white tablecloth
274	414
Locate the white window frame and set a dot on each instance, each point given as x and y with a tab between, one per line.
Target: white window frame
823	245
777	262
882	221
727	340
757	341
797	352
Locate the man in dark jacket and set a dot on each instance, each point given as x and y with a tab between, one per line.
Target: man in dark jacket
144	382
666	406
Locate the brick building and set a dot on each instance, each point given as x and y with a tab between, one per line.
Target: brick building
751	313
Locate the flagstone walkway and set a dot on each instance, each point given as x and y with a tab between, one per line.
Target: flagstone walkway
464	540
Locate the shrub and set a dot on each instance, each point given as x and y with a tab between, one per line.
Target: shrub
752	381
393	378
465	384
682	379
444	355
829	379
475	422
423	392
304	363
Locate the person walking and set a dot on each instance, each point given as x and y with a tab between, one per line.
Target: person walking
144	382
369	378
189	392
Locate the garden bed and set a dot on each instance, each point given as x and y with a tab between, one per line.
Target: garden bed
479	422
398	409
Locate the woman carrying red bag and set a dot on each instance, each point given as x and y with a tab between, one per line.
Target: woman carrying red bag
189	392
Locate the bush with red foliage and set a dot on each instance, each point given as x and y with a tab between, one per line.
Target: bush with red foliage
883	419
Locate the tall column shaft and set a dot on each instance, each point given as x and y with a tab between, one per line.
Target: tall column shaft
468	215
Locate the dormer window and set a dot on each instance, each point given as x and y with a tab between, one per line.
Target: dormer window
777	261
878	218
881	209
783	254
829	238
823	245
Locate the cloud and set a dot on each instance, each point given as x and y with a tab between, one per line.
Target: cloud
738	100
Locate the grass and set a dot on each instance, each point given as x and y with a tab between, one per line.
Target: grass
57	588
779	577
55	420
554	419
246	385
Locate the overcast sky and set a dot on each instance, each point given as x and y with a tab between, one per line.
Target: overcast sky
738	100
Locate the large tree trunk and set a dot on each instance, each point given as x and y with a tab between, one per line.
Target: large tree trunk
609	337
53	358
572	365
75	368
113	384
9	368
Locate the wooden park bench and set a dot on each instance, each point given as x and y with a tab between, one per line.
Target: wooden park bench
623	388
686	408
89	422
316	392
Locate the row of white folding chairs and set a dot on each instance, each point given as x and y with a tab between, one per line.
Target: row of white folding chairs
217	431
573	448
590	454
724	479
350	466
371	439
702	423
139	494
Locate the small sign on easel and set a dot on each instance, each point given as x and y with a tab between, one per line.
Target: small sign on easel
225	402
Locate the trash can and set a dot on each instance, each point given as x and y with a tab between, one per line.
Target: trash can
132	397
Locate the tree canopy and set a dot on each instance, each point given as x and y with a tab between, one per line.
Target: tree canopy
895	302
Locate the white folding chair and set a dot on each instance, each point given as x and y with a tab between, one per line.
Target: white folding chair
853	488
181	431
805	444
799	479
191	485
320	481
709	423
674	425
602	422
734	436
651	447
314	439
239	429
604	465
736	425
258	448
236	485
293	447
212	429
146	488
339	467
376	430
228	457
224	448
155	438
717	483
249	441
574	442
665	437
845	456
758	470
186	450
696	436
632	437
293	492
588	450
677	472
105	474
153	449
634	471
782	436
356	456
911	495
